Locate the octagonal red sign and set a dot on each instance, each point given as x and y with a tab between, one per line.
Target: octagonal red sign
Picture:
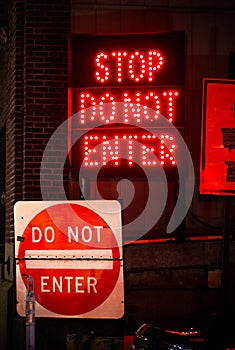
73	252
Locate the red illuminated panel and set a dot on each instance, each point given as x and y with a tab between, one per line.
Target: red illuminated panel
106	148
135	66
121	84
218	138
127	60
167	102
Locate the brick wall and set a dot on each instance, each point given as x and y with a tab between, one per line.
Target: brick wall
10	114
34	97
33	104
47	25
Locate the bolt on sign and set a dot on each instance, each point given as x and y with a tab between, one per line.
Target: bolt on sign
73	252
134	70
217	175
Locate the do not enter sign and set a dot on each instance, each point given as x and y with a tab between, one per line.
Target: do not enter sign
73	251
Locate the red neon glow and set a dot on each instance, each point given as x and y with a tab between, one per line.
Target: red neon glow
170	96
218	153
124	146
84	98
136	66
107	98
103	73
167	154
148	86
163	103
122	66
155	61
156	105
119	64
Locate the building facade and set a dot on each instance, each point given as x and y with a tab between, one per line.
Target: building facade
168	279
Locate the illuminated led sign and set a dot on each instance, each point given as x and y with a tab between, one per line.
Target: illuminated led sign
217	175
142	71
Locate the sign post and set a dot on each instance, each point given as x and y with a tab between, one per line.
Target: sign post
73	251
30	314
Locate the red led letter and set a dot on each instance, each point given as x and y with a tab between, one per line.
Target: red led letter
136	73
132	108
155	61
87	100
91	156
111	151
147	152
105	113
166	153
119	64
155	102
130	150
170	95
103	74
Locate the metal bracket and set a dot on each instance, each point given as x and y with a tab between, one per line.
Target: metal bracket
7	263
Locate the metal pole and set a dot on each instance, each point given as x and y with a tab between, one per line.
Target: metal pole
226	258
30	314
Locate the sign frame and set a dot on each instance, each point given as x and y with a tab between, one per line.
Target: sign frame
164	92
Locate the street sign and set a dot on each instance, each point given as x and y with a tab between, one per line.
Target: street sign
73	251
217	175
